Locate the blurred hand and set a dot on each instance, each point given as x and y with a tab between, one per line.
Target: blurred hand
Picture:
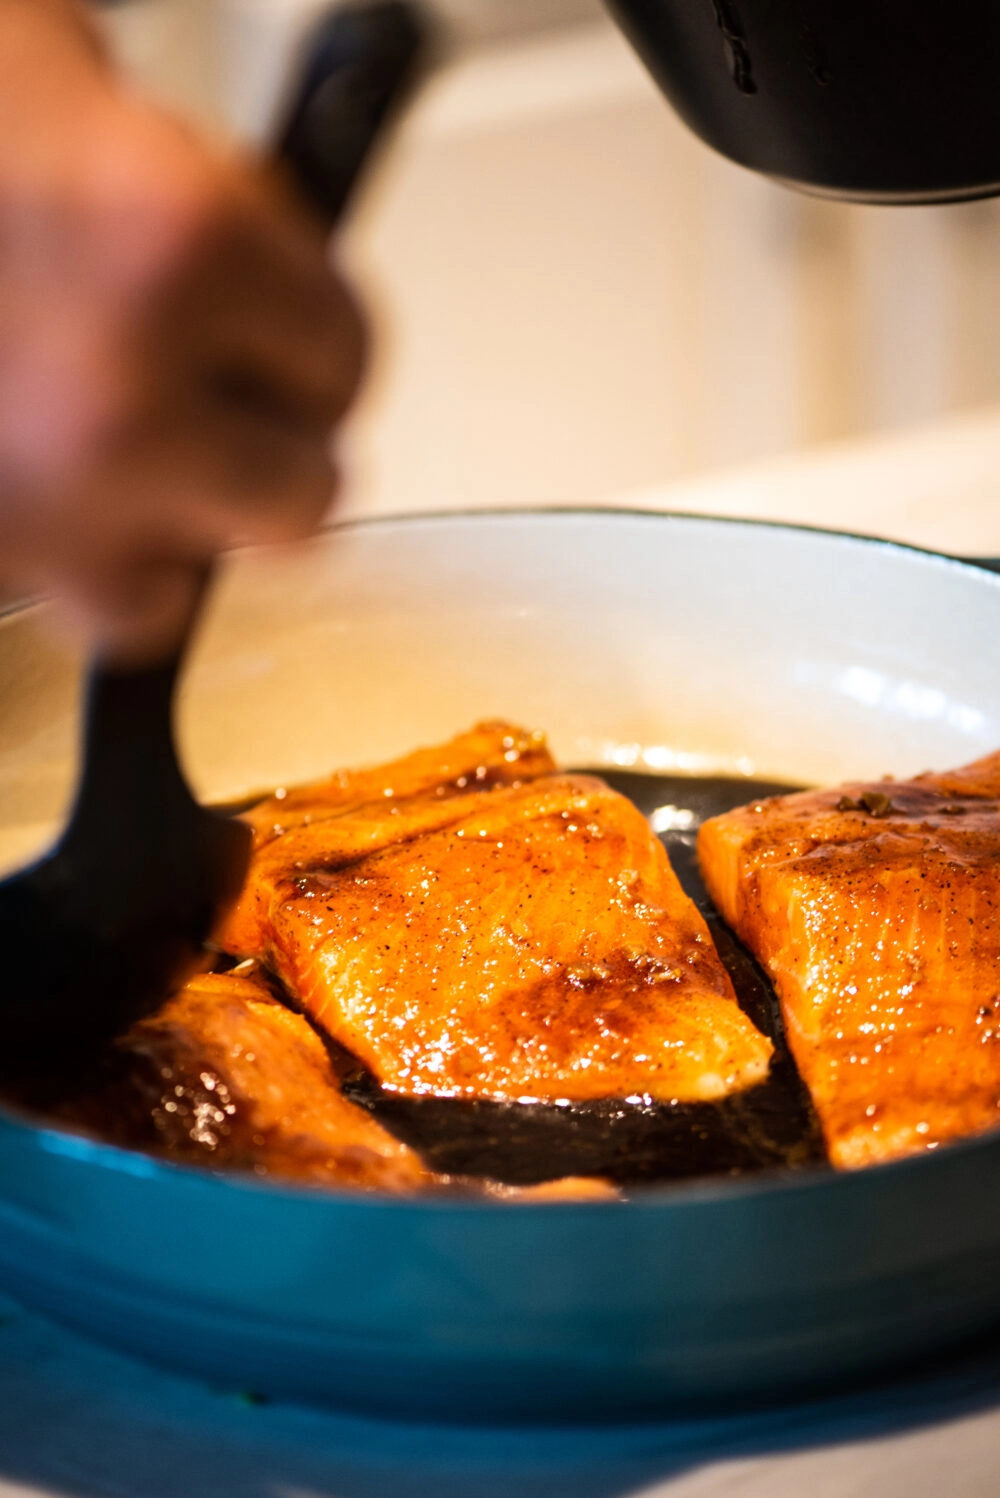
174	349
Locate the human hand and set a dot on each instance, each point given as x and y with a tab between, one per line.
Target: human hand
174	348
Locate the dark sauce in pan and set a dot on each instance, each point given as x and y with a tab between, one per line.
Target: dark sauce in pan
770	1126
635	1144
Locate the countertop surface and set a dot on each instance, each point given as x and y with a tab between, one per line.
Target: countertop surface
80	1422
935	485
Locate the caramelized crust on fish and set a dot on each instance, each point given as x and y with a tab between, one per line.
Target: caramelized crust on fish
491	929
373	809
875	908
225	1075
492	753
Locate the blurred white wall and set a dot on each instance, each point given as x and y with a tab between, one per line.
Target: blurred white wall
574	296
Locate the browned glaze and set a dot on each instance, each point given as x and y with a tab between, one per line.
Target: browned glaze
373	809
169	1086
526	939
638	1143
225	1074
875	908
490	754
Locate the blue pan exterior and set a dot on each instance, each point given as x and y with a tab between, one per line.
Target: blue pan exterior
716	1295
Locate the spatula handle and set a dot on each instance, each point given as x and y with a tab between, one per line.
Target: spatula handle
360	64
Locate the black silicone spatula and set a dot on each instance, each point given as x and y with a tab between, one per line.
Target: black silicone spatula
94	935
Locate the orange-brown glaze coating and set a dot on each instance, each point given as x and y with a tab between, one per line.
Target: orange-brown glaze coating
491	753
373	809
225	1075
875	907
526	939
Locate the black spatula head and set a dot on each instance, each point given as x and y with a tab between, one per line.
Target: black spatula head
96	933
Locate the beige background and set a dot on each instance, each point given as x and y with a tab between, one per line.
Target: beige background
574	298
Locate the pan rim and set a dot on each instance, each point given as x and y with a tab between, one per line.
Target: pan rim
361	523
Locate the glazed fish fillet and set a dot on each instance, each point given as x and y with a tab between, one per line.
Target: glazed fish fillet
876	910
224	1074
470	923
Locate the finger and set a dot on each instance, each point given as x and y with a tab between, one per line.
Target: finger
136	612
306	382
137	618
206	476
255	308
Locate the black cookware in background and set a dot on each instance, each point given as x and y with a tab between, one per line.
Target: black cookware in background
892	101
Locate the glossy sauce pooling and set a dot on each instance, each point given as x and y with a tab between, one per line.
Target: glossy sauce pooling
636	1142
631	1139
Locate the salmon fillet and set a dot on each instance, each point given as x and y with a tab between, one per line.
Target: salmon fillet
224	1074
492	753
875	908
470	923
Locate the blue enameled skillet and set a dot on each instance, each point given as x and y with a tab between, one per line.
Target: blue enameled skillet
652	641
